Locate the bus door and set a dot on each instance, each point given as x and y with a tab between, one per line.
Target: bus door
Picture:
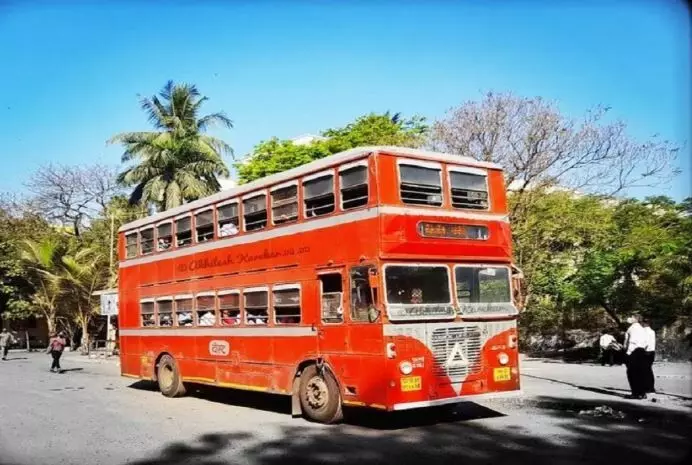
331	330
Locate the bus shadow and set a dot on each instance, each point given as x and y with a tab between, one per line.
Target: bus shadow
355	416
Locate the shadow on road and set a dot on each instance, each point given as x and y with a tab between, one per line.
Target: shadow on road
68	370
643	435
367	418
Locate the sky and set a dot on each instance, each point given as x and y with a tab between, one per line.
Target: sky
71	73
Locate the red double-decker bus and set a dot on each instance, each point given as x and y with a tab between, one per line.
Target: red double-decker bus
378	277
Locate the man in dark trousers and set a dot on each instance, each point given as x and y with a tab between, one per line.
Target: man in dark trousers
650	357
5	341
56	346
635	345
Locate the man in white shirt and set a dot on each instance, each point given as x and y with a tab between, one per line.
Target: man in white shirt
650	356
607	352
635	344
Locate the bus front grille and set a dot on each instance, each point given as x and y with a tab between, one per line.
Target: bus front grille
457	352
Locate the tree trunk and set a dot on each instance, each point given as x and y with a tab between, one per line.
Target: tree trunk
26	335
85	336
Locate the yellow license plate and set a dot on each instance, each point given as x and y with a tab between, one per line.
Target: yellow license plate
412	383
501	374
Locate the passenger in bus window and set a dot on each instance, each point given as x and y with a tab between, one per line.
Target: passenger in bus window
164	243
149	320
417	296
228	229
256	319
207	319
166	320
185	319
228	320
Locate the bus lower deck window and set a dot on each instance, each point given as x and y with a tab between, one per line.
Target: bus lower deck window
206	310
146	309
256	307
318	195
255	213
183	311
229	307
204	226
165	312
183	232
287	306
332	295
354	187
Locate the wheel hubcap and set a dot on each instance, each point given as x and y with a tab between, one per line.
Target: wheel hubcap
166	376
316	393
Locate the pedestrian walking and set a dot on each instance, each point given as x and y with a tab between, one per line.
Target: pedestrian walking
56	346
5	341
635	345
650	356
606	342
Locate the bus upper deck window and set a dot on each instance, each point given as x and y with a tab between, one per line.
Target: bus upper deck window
204	225
183	231
165	236
354	186
147	240
469	190
318	195
420	185
285	204
131	245
229	221
255	213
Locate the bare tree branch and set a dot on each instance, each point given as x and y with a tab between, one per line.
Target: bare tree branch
73	195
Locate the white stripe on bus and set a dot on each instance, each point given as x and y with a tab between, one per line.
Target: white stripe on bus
312	225
297	331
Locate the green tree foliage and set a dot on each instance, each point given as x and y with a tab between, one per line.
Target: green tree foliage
582	255
177	162
275	156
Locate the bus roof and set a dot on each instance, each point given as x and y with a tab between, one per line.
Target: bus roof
317	165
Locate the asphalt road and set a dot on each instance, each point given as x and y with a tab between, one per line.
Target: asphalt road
90	415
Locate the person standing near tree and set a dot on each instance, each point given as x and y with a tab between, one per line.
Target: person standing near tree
650	356
5	341
635	345
56	346
606	343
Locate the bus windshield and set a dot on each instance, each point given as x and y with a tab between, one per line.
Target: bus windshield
483	289
418	291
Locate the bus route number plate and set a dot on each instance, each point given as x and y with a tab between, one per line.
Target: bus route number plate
411	383
501	374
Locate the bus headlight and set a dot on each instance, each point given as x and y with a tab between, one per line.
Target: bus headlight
503	358
405	367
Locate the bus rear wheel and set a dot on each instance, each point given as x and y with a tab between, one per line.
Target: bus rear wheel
168	377
319	396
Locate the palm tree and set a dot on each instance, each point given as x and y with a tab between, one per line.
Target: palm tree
178	162
81	277
44	261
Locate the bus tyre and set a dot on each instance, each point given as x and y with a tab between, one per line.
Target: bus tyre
168	376
319	396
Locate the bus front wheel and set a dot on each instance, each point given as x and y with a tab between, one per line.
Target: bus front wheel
168	376
319	396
